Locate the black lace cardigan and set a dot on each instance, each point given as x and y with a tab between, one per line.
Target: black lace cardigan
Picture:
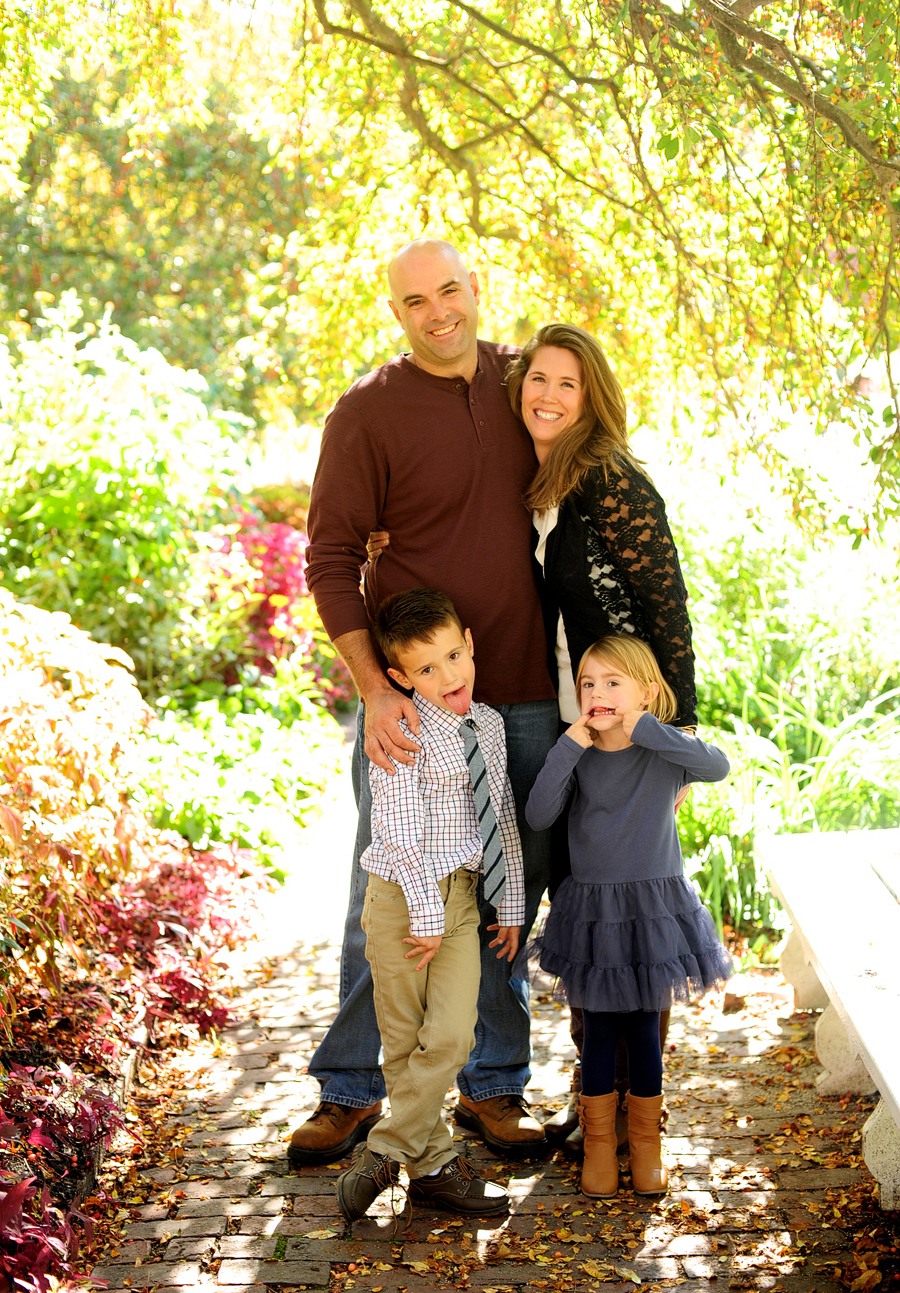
610	566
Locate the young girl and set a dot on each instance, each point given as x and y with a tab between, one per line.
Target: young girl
626	932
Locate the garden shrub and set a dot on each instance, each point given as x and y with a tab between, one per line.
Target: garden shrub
248	604
244	765
796	679
68	710
110	460
84	874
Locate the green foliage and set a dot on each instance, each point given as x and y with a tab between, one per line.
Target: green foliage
243	766
798	680
110	459
771	619
714	195
177	229
849	779
68	711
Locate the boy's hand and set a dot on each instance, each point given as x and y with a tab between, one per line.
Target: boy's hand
426	945
629	719
507	940
580	732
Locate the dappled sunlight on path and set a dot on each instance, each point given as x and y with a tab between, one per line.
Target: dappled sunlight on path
767	1188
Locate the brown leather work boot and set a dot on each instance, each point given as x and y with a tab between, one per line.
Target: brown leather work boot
505	1124
330	1133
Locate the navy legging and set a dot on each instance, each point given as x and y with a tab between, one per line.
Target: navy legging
639	1029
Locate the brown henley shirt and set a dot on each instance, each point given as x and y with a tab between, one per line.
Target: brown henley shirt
443	465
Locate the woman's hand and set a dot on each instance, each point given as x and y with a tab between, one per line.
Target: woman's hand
580	732
376	543
424	945
507	940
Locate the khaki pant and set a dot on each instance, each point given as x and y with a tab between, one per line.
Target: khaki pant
426	1017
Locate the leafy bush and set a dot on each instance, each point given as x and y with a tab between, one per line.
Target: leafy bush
57	1120
110	461
248	604
38	1241
244	766
84	875
68	709
797	668
770	618
286	503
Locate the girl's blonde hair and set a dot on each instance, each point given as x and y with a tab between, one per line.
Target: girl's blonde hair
633	658
599	438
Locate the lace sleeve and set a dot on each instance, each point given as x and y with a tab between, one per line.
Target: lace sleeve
630	518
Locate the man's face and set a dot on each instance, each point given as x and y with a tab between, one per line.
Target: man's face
436	301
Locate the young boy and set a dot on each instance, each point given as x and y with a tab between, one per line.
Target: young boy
436	826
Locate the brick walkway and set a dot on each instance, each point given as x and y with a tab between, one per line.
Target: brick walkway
767	1189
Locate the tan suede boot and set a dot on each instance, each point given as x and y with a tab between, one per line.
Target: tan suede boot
648	1176
600	1171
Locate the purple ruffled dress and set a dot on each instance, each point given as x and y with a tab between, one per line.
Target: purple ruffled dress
626	931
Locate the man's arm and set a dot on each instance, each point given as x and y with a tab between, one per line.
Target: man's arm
343	509
384	705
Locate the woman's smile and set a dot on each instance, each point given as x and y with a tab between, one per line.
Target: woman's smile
551	396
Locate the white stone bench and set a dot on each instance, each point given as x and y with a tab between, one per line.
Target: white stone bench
842	893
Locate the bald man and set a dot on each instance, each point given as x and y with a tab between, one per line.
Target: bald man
428	448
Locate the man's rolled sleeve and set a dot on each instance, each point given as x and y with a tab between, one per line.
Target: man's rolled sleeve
398	814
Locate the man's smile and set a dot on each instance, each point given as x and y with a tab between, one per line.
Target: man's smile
445	331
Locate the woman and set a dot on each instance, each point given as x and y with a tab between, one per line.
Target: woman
603	542
608	561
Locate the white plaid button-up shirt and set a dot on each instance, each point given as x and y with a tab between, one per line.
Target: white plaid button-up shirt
424	825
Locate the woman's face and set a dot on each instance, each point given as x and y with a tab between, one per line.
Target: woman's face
551	395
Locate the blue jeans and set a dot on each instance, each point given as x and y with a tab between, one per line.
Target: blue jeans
347	1061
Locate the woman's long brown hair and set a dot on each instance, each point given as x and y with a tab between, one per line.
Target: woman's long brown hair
599	438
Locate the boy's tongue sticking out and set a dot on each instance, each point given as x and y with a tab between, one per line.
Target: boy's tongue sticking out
459	700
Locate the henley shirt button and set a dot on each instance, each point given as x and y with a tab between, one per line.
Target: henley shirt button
481	424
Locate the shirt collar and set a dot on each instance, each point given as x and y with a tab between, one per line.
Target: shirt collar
441	718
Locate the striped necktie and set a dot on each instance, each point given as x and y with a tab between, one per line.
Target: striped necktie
494	863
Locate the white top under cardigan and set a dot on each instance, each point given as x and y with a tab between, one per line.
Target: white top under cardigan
569	708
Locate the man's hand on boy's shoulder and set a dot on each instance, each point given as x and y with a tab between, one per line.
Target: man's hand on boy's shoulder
425	945
385	738
507	940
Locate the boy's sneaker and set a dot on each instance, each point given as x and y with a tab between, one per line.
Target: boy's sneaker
459	1188
361	1184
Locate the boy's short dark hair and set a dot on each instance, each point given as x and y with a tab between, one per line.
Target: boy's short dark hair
412	616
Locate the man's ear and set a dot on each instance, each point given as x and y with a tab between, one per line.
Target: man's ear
400	678
476	290
395	311
467	634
